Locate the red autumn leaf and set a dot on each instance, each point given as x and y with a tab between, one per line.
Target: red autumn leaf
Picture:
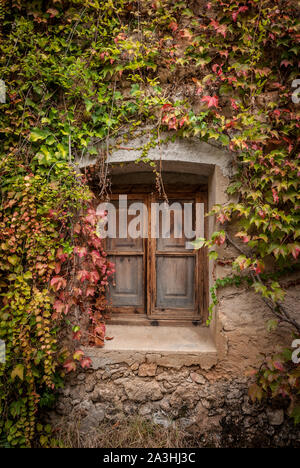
295	250
91	217
95	256
234	104
165	119
58	282
172	123
278	365
94	276
41	267
173	26
215	67
77	292
262	214
96	242
80	251
219	28
241	234
184	120
275	196
211	101
222	218
59	306
259	268
70	365
86	363
90	291
83	275
166	107
52	12
277	113
99	342
231	124
61	255
224	53
282	391
198	86
240	10
242	263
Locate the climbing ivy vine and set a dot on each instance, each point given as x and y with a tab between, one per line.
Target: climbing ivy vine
85	76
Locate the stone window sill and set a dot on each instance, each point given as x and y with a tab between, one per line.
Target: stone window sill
167	346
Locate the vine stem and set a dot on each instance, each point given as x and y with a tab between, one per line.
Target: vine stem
277	308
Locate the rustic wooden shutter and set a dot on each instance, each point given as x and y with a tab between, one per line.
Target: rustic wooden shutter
127	291
174	283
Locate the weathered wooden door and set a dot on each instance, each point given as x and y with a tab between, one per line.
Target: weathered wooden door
127	292
174	267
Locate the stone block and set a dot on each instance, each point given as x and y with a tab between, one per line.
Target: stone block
147	370
198	378
138	390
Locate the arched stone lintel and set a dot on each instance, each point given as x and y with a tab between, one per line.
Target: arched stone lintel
190	155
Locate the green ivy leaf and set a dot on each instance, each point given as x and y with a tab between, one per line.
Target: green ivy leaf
39	134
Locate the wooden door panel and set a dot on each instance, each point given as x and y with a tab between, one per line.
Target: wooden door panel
127	289
128	286
172	244
125	244
174	238
175	282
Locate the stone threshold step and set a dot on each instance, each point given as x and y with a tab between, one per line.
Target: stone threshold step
167	346
159	339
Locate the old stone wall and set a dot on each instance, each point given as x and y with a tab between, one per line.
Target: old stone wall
218	411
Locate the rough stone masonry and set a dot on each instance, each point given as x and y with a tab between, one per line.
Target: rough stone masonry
219	412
